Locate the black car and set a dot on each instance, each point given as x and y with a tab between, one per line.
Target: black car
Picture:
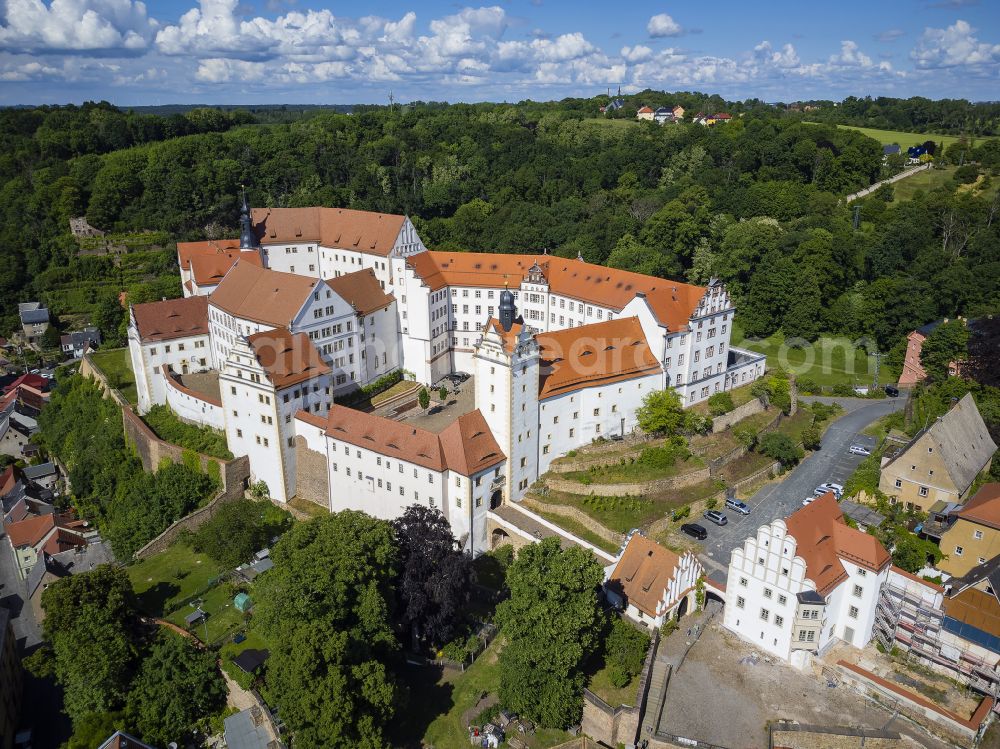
695	531
892	391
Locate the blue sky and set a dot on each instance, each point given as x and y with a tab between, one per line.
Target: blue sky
318	51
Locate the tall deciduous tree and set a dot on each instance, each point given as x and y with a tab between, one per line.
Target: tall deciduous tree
93	629
436	577
176	687
326	607
661	412
551	623
947	343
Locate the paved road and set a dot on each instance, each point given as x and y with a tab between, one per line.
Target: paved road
832	462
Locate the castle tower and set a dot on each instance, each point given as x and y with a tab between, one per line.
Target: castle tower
506	370
248	238
507	309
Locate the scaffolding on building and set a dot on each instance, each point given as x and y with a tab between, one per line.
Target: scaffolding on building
905	621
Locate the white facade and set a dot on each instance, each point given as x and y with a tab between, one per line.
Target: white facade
384	486
191	406
773	603
259	417
184	354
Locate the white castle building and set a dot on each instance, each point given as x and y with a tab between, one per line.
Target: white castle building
804	582
312	303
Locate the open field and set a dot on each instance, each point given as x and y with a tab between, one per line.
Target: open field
117	367
925	181
905	140
830	360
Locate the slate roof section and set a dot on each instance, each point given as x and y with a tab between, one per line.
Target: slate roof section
466	446
361	290
984	507
170	319
343	228
591	355
643	573
823	540
286	358
963	442
671	302
247	729
122	740
261	295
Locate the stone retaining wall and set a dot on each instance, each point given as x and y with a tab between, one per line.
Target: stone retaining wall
722	423
614	726
311	478
585	463
578	515
632	489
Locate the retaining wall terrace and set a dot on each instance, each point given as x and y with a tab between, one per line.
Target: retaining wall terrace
631	489
618	725
578	515
751	407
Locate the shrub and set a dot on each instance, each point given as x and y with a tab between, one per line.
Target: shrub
808	386
720	403
843	390
666	455
668	627
780	447
811	437
238	529
169	428
746	436
624	652
711	503
679	513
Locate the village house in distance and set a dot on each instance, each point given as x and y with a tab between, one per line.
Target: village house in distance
310	304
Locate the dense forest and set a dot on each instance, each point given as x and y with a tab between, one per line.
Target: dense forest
755	202
915	115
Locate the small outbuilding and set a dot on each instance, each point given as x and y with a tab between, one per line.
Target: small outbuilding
250	660
242	602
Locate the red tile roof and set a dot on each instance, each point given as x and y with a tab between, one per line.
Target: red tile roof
361	290
591	355
173	318
288	359
188	250
30	532
671	302
63	540
209	270
264	296
984	507
643	572
824	539
361	231
8	480
466	446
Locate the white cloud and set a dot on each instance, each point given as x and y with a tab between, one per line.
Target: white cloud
850	56
786	57
76	26
662	25
953	46
638	53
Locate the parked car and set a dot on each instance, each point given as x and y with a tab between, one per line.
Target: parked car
822	489
738	506
808	501
892	391
695	531
860	450
716	516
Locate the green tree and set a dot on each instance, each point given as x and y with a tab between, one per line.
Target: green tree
802	316
912	553
811	437
661	412
720	403
624	652
745	435
551	624
96	608
327	609
443	393
238	529
947	343
93	730
629	254
780	447
176	687
424	398
109	317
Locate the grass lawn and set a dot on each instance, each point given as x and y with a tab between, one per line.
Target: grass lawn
231	649
400	387
711	446
580	530
600	684
222	616
793	426
745	466
905	140
117	367
306	507
830	360
163	580
633	472
609	123
927	180
438	700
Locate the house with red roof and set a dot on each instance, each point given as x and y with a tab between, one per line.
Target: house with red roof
50	533
806	581
645	113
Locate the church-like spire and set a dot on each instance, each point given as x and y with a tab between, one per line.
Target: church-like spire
507	310
248	238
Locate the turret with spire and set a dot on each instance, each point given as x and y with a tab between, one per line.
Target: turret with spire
248	238
507	310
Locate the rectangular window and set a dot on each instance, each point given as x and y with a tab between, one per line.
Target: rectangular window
853	612
765	614
959	551
858	591
743	581
779	620
740	602
782	600
977	535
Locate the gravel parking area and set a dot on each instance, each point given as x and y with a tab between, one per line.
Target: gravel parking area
725	693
